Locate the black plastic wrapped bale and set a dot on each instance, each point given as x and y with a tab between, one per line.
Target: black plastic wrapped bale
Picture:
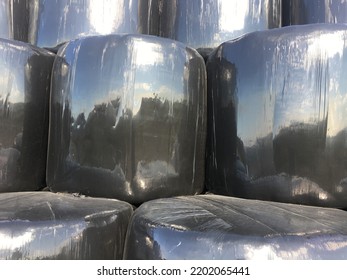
128	118
217	227
25	74
5	20
43	225
204	24
55	22
14	19
276	116
313	11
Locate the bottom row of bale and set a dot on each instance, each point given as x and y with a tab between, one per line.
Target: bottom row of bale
45	225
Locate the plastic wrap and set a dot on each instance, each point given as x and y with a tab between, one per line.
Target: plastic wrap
317	11
14	19
43	225
128	118
204	24
55	22
217	227
5	20
25	73
277	119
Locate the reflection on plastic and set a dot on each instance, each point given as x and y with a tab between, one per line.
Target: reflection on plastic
25	74
14	19
216	227
277	122
318	11
5	20
208	23
128	118
55	22
43	225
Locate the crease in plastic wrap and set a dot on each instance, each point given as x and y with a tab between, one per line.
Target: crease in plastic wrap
14	19
204	24
43	225
217	227
25	73
276	117
128	118
55	22
308	12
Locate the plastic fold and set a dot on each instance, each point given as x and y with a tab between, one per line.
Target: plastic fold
217	227
46	226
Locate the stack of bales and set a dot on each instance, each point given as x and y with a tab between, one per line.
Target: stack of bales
109	105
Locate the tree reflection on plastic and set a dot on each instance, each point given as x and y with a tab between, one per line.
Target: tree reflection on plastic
128	118
277	124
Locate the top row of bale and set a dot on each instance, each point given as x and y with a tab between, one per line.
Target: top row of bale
200	24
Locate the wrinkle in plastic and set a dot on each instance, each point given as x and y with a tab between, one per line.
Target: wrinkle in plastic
43	225
233	228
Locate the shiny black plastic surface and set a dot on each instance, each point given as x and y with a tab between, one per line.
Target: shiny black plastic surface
313	11
128	118
14	19
56	22
277	116
215	227
204	24
42	225
25	73
5	20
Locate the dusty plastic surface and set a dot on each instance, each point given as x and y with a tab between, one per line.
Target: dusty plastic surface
277	119
25	73
128	118
313	11
43	225
56	22
204	24
217	227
